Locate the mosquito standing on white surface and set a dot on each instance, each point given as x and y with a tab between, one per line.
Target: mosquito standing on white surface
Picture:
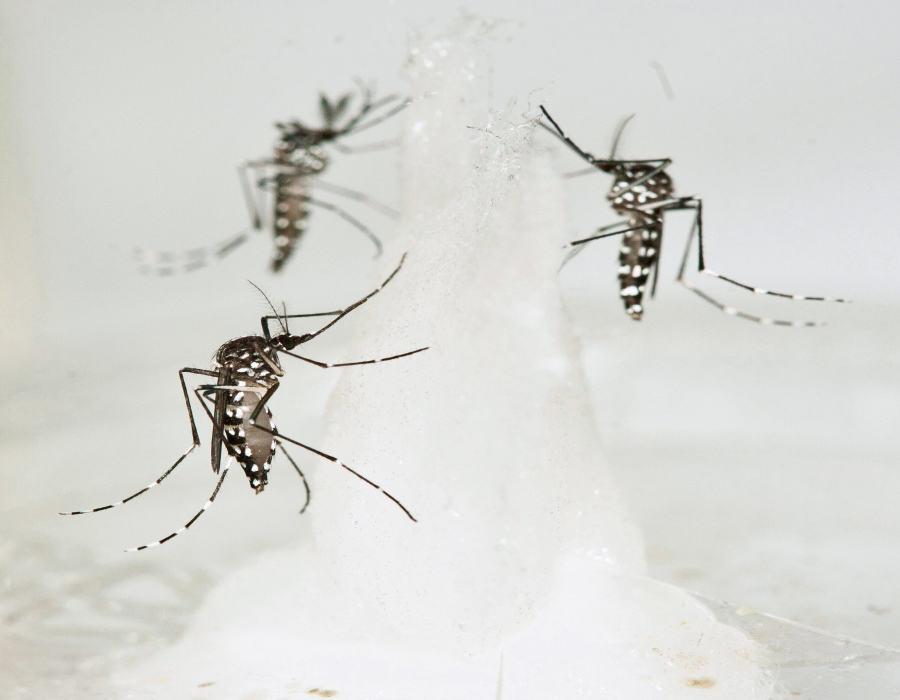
642	193
247	371
282	184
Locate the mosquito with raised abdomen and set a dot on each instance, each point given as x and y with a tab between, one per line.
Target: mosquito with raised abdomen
642	193
283	182
246	375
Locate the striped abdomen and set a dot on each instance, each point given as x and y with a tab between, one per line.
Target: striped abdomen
633	195
252	363
254	448
291	213
637	256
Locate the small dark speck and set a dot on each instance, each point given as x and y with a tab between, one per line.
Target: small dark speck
700	682
322	693
876	610
206	685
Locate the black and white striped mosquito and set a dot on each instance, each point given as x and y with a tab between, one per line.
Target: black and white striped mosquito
247	372
282	184
642	193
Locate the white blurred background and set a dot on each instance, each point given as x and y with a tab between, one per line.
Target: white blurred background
760	461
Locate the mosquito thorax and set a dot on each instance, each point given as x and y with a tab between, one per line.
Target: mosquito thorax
253	352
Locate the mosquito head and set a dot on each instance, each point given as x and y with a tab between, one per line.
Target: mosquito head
607	166
286	341
295	136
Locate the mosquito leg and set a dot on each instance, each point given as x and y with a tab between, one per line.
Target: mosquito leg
265	319
251	195
325	365
731	311
344	215
579	173
276	434
365	148
195	443
356	127
358	196
697	204
166	263
305	483
580	245
337	314
192	520
355	305
600	235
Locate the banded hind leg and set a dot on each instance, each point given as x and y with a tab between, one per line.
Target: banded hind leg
165	263
190	522
696	204
218	434
195	443
338	462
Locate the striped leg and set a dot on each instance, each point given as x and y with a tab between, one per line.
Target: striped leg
305	482
697	228
192	520
355	473
168	263
697	204
194	445
325	365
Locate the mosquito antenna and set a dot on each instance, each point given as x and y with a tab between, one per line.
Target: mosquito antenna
272	306
612	154
285	317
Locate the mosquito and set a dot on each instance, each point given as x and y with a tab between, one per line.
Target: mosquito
284	182
642	193
246	374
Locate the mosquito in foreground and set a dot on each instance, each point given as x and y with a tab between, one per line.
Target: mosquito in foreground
641	193
283	182
247	372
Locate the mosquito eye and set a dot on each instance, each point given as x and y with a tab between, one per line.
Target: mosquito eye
289	342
